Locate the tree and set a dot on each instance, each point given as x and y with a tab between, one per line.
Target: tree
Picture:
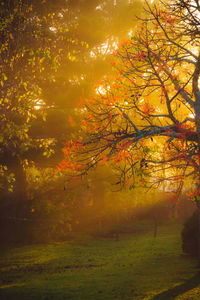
30	55
74	79
146	119
43	55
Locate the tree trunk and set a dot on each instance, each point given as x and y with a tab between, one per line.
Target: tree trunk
14	205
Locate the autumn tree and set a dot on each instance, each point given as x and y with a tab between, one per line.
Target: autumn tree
145	120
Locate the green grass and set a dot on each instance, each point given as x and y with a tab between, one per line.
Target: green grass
136	267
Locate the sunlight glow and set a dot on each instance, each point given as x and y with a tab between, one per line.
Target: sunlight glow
191	116
104	49
130	33
102	90
39	104
99	7
53	29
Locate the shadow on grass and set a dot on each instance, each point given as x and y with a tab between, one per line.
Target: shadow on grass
188	285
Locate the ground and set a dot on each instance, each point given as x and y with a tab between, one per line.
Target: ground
137	266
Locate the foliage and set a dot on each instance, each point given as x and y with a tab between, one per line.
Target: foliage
189	235
33	35
37	37
145	119
60	211
46	65
23	59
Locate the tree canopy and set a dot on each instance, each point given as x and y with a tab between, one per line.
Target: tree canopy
145	119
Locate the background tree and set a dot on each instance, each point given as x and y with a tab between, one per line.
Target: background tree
74	80
146	119
49	59
29	52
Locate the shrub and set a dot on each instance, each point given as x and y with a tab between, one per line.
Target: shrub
189	235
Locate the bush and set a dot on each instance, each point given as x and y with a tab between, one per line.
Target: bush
189	235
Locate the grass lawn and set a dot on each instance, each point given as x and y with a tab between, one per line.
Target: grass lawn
138	266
